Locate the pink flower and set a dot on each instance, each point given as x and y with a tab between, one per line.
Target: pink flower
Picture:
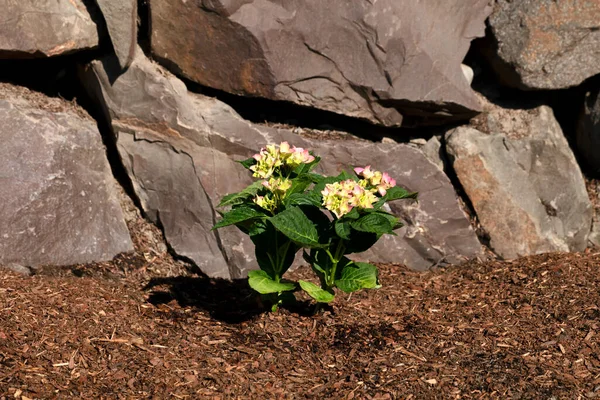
386	182
365	172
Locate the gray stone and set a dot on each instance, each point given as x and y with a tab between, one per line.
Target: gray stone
383	61
434	151
59	198
178	148
523	181
546	44
43	28
121	22
588	132
437	230
19	269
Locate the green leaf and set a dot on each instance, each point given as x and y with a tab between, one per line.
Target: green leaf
255	228
361	241
397	192
303	199
393	220
357	275
248	162
241	197
263	284
372	223
319	264
320	295
240	214
305	168
293	223
353	214
300	183
342	229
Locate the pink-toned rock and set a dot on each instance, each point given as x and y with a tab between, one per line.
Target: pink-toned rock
59	199
34	28
390	62
523	182
179	150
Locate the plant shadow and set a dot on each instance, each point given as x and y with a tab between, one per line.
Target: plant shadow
231	302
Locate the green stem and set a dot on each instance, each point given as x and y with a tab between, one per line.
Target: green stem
335	260
282	259
276	264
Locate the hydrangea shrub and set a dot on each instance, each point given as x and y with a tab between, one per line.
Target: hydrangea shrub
289	208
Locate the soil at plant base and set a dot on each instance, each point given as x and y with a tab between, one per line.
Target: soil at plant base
145	326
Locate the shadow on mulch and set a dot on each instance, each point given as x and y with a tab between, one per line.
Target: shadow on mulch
227	301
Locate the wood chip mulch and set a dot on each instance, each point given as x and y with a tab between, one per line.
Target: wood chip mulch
526	329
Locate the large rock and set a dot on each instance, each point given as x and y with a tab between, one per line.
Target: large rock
59	198
377	60
523	181
121	22
437	230
588	132
546	44
178	148
44	28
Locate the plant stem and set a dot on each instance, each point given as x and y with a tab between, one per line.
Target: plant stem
276	264
339	252
282	259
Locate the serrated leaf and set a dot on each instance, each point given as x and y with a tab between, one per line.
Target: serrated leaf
397	192
294	224
261	282
238	215
305	168
357	275
372	223
300	183
303	199
353	214
241	197
342	229
248	162
320	295
393	220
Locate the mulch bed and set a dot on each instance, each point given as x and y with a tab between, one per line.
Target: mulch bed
146	326
524	329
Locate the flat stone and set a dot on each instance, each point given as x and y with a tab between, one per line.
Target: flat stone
59	198
523	182
179	150
392	63
33	28
545	44
436	231
120	17
19	269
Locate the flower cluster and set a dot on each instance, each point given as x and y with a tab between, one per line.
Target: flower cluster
380	182
266	202
289	208
278	188
277	185
341	197
273	156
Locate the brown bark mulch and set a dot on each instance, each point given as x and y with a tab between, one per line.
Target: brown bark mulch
525	329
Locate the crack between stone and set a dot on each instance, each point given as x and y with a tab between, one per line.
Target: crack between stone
208	199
